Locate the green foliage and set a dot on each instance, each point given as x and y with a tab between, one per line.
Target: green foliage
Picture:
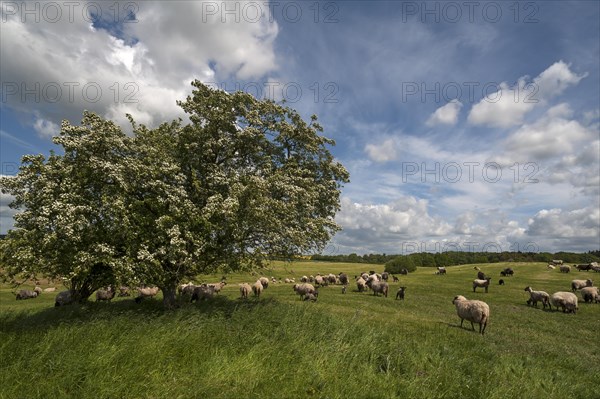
401	262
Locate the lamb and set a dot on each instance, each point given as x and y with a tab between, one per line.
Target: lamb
565	269
378	287
257	288
481	283
404	272
344	288
501	282
63	298
395	279
203	291
146	292
26	294
105	295
245	289
400	293
535	296
304	289
385	276
566	300
473	311
124	291
579	284
590	294
361	284
264	282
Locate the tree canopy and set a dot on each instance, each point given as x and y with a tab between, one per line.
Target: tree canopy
243	180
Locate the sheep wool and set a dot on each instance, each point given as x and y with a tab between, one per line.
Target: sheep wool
245	289
473	311
590	294
257	288
565	300
579	284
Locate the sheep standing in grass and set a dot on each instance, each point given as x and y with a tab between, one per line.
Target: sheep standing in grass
257	288
590	294
481	275
476	268
303	279
105	294
565	300
124	291
245	289
26	294
378	287
565	269
473	311
50	289
218	286
319	280
310	297
146	292
551	267
400	293
481	283
343	279
361	284
203	291
535	296
64	298
395	279
579	284
501	282
304	289
264	282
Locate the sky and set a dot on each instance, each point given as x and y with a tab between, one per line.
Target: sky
467	126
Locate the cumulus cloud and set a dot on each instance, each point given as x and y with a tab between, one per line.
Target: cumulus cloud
583	223
445	115
383	152
509	104
6	213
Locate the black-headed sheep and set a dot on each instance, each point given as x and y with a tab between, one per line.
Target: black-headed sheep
565	268
343	278
535	296
473	311
264	282
361	284
579	284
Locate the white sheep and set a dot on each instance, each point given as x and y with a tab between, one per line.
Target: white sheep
535	296
50	289
105	294
146	292
245	289
257	288
361	284
590	294
579	284
565	269
473	311
63	298
218	286
319	280
481	283
566	300
26	294
303	279
551	267
264	282
304	289
378	287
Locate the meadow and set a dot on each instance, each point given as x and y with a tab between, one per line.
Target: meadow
352	345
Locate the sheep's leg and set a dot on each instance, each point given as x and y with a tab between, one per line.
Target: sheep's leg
461	322
472	326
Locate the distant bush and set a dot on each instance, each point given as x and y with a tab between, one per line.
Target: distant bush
399	263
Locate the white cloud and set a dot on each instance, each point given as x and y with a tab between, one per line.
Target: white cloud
556	223
383	152
46	128
445	115
508	106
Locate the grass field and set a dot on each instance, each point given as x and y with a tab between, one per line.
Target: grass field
343	346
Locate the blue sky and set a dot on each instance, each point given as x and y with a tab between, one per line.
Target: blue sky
470	126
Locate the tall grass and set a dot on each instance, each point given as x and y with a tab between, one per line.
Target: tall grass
343	346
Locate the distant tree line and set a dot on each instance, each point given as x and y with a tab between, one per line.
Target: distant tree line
451	258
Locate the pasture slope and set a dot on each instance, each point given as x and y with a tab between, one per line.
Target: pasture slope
343	346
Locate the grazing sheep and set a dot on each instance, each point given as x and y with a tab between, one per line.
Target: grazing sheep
590	294
596	268
26	294
481	275
551	267
287	280
218	286
579	284
245	289
400	293
473	311
257	288
361	284
481	283
372	278
146	292
310	297
378	287
343	279
124	291
585	267
565	300
319	280
50	289
311	279
264	282
203	291
304	289
441	270
331	278
63	298
105	294
365	276
292	280
507	272
273	279
565	269
535	296
404	271
38	290
501	282
303	279
557	262
385	276
182	287
395	279
476	268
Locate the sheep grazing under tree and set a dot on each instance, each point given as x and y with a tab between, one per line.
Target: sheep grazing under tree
218	286
203	291
26	294
105	294
400	293
565	300
124	291
264	282
579	284
64	298
146	292
245	290
257	288
481	284
590	294
473	311
537	296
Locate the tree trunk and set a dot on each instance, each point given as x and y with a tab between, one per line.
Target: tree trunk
169	296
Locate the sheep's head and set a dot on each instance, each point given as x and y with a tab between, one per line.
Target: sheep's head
458	298
528	289
589	282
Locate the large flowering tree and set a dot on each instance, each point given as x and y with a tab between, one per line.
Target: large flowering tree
244	180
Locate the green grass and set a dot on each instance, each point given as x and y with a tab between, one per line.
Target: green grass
343	346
